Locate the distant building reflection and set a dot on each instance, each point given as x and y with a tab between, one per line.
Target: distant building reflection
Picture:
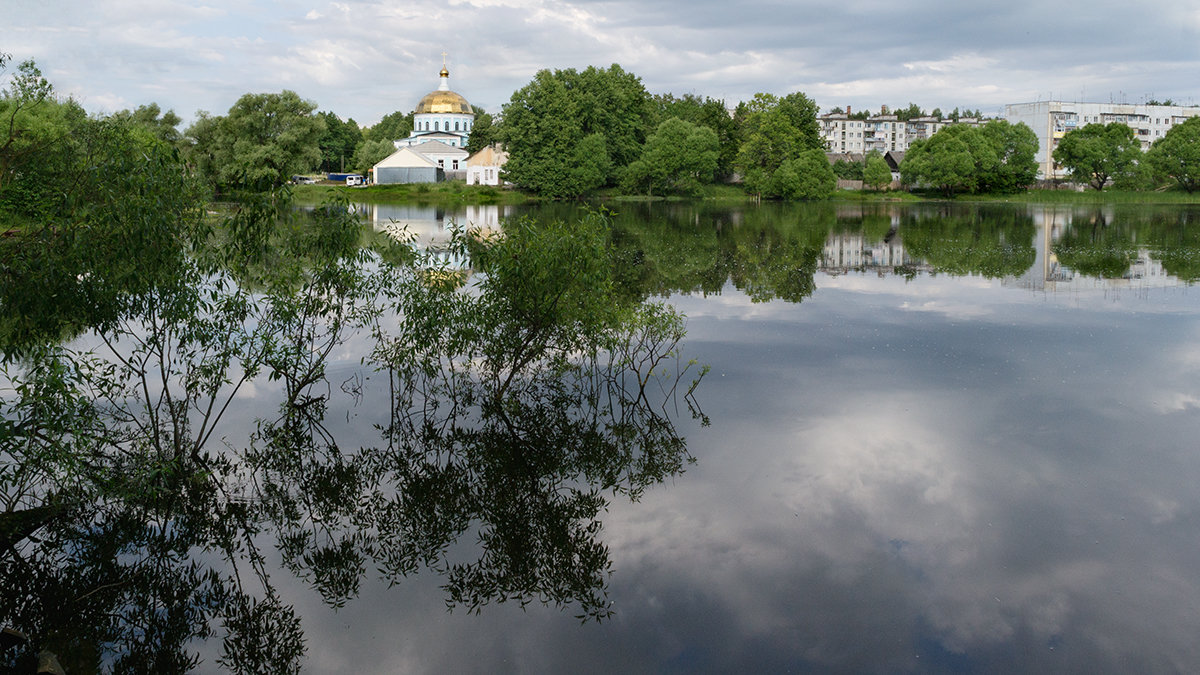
429	225
857	249
1049	273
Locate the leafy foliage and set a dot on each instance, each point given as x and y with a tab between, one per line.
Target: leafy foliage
569	132
997	157
163	126
809	176
705	112
483	131
775	130
876	173
1177	154
1095	153
338	142
393	126
262	141
370	153
678	157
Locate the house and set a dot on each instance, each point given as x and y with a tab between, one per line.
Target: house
483	167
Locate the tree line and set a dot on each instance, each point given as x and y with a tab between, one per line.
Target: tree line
570	132
567	133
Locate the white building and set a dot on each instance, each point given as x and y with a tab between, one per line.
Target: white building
882	133
406	165
447	157
1051	120
442	115
483	167
841	133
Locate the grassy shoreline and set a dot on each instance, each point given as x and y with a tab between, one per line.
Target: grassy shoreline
456	193
448	193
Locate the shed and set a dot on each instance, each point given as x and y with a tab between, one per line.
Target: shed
406	166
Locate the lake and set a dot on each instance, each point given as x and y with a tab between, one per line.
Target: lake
933	438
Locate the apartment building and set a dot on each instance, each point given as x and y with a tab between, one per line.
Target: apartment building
1051	120
883	132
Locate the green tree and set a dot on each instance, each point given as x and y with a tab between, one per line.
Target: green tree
955	159
369	153
996	157
1177	154
679	156
568	132
805	177
1016	147
706	112
338	142
35	128
483	131
1098	152
393	127
848	170
262	141
774	131
199	145
164	126
911	112
876	172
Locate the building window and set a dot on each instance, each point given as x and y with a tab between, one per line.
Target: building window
454	165
456	125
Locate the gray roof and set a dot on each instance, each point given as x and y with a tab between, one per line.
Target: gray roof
438	147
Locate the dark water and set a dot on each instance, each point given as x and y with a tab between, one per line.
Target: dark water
941	439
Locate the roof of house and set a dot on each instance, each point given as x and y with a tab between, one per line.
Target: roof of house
438	148
492	155
405	158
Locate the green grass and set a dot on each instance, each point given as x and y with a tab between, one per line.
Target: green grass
448	193
872	196
457	193
718	192
1107	196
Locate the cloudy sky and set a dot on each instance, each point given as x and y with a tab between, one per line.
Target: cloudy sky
366	58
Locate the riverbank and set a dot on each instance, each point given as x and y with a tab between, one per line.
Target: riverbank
455	193
1109	196
448	193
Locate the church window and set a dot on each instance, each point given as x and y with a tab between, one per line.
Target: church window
435	126
456	125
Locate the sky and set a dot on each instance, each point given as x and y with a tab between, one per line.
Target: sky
363	59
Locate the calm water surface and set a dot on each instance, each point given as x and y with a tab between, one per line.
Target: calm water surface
942	440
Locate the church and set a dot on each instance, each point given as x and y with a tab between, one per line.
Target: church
442	115
435	149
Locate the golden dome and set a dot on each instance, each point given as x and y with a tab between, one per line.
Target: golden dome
443	101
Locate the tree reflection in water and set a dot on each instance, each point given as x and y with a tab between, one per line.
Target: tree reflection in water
521	398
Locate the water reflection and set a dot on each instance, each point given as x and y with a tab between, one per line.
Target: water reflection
774	251
431	225
138	520
934	449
